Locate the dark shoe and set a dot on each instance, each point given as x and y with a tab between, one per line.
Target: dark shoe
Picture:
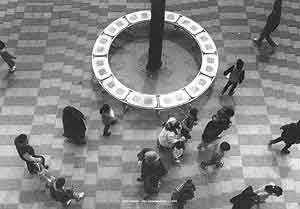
46	167
231	93
256	42
140	179
219	165
107	134
203	166
285	151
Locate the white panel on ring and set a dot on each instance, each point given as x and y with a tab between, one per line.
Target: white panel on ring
102	45
171	16
199	85
115	88
189	25
174	99
210	63
206	43
135	17
101	67
116	26
142	100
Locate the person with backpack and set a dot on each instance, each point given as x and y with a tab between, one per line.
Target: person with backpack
188	123
290	135
7	57
183	192
152	169
27	153
237	75
212	131
108	118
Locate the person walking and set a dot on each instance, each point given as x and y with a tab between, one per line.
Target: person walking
27	153
290	135
62	194
237	75
218	154
212	131
272	23
152	170
7	57
245	200
183	192
188	123
108	118
266	191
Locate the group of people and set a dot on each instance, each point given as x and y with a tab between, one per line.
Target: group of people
36	166
173	138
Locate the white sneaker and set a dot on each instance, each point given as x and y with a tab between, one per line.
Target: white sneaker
12	69
79	196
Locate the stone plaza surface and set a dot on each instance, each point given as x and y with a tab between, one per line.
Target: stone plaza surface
53	40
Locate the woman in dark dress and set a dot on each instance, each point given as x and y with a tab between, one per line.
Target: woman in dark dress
26	152
74	126
152	170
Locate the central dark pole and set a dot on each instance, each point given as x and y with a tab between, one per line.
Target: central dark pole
156	34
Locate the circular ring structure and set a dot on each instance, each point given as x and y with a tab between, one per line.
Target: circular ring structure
113	86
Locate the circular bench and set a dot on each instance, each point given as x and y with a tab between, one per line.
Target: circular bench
113	86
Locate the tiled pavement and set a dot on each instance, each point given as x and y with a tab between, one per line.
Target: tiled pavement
52	41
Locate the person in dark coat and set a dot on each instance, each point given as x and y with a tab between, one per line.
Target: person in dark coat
290	135
183	193
224	115
74	125
245	200
212	131
188	123
152	170
272	23
108	118
26	153
237	75
7	57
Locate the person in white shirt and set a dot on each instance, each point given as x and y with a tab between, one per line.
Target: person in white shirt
170	134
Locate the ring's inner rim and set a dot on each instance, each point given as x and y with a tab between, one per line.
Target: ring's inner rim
181	59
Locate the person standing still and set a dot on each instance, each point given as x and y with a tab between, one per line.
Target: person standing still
272	23
237	75
7	57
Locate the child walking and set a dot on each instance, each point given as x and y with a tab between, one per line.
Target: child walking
217	156
8	58
108	118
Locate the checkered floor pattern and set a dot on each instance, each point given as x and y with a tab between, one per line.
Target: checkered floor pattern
52	41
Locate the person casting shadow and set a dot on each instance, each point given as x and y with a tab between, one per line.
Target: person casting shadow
26	153
74	125
237	75
272	23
